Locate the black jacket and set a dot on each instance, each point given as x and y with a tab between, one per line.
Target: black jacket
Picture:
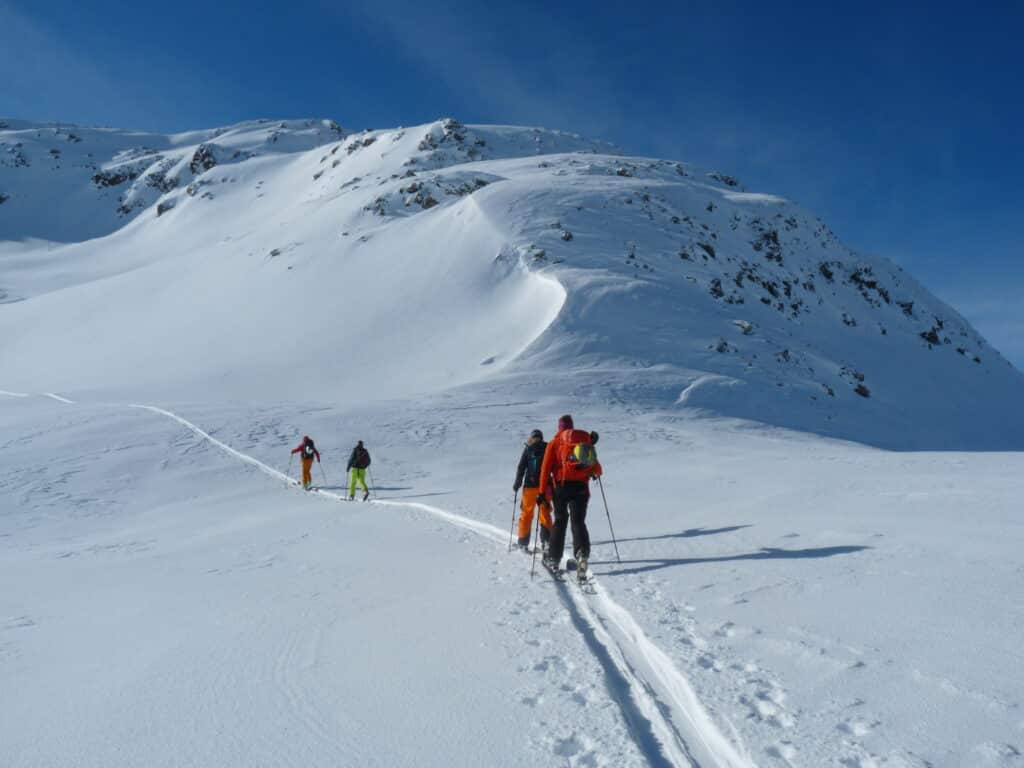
360	458
528	472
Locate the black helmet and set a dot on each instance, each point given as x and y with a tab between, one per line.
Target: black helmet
538	434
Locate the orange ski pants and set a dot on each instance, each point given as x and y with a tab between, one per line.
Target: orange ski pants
307	471
526	518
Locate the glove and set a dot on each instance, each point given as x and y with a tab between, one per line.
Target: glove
542	499
515	488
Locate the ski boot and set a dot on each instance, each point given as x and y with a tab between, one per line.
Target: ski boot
581	569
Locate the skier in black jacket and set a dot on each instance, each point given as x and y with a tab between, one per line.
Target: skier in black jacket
528	478
357	464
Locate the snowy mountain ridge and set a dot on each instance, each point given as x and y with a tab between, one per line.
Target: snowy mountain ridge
544	250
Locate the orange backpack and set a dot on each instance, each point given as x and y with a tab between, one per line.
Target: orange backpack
577	456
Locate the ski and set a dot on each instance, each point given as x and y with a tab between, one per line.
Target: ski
556	573
588	584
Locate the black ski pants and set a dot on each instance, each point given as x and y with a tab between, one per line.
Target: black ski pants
570	504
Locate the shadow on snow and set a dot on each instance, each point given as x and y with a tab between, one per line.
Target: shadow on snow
687	534
766	553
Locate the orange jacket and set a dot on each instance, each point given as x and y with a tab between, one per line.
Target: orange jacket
553	470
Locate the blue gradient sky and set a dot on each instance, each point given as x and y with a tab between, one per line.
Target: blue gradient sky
899	125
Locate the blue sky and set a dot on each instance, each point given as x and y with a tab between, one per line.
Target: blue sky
898	124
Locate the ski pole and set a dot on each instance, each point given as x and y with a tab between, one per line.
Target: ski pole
373	485
536	543
515	501
605	500
322	473
290	460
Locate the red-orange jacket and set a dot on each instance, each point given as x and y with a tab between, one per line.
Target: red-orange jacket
302	453
552	471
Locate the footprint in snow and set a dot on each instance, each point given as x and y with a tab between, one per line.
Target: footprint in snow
578	750
992	753
553	664
574	694
857	727
18	622
781	750
726	630
710	663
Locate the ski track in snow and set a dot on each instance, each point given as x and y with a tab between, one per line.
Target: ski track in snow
58	398
667	721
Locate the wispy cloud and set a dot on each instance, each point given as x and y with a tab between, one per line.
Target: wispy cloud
554	82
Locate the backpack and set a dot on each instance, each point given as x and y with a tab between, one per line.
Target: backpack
362	458
578	458
535	459
534	462
308	450
583	455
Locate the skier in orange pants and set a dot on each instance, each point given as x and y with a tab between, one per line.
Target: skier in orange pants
307	452
528	478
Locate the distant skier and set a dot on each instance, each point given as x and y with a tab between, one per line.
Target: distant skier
528	478
570	460
307	452
357	464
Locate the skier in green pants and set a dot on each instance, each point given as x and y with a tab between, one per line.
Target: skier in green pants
357	464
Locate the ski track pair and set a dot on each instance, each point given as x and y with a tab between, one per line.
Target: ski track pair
668	722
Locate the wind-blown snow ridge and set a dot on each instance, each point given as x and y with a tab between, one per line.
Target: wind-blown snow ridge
685	731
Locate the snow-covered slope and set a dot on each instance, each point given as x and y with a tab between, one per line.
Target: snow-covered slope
274	256
67	183
782	599
282	257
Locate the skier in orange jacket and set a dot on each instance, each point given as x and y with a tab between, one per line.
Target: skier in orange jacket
569	462
307	452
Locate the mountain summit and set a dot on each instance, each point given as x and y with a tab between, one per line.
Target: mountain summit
272	257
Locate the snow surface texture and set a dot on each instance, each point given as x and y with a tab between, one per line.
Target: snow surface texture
178	311
282	260
781	600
